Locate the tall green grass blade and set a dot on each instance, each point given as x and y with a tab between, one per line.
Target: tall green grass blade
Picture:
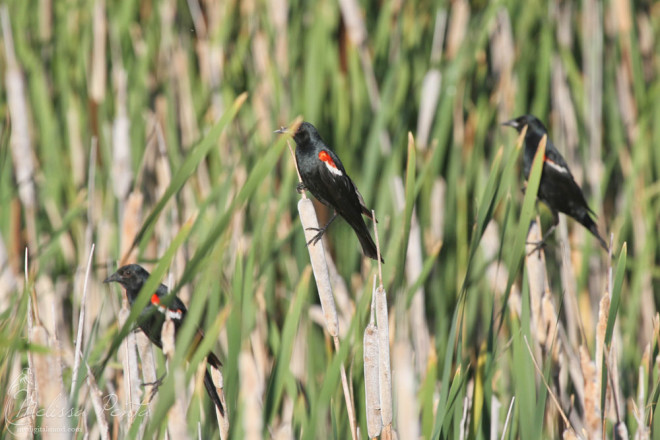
526	215
611	319
191	162
281	368
257	175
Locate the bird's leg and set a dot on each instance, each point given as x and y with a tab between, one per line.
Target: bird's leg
321	231
540	244
155	385
300	187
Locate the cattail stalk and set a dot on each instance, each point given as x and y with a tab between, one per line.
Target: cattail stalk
251	395
384	368
20	142
357	32
128	357
49	385
319	266
176	422
149	375
321	275
371	376
223	419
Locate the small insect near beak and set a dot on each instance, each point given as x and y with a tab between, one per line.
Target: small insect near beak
282	130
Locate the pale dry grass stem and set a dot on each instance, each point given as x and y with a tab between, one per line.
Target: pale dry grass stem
544	319
149	374
251	395
96	396
20	140
223	420
131	222
122	169
413	267
98	75
419	325
535	264
431	84
176	421
458	27
49	385
591	402
437	210
81	326
132	394
357	33
507	420
405	383
45	384
495	407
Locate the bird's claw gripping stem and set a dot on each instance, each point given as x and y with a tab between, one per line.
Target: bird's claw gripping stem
315	239
538	245
155	385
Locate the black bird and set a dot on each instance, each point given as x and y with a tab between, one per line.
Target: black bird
557	189
323	174
132	277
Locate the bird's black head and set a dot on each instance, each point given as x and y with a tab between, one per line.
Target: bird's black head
531	121
131	277
304	136
306	133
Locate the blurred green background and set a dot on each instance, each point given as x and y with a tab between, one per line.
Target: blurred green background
122	121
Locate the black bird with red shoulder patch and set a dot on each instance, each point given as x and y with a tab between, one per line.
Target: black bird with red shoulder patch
132	277
323	174
558	189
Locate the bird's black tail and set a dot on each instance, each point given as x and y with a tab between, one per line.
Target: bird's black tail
588	223
214	362
362	232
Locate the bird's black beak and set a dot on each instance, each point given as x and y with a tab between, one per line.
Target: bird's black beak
282	130
114	277
512	123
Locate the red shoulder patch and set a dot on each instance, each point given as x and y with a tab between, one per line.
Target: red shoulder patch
154	299
325	157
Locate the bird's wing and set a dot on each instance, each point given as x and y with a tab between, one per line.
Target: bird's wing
553	159
338	188
561	189
365	210
177	311
172	306
338	182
